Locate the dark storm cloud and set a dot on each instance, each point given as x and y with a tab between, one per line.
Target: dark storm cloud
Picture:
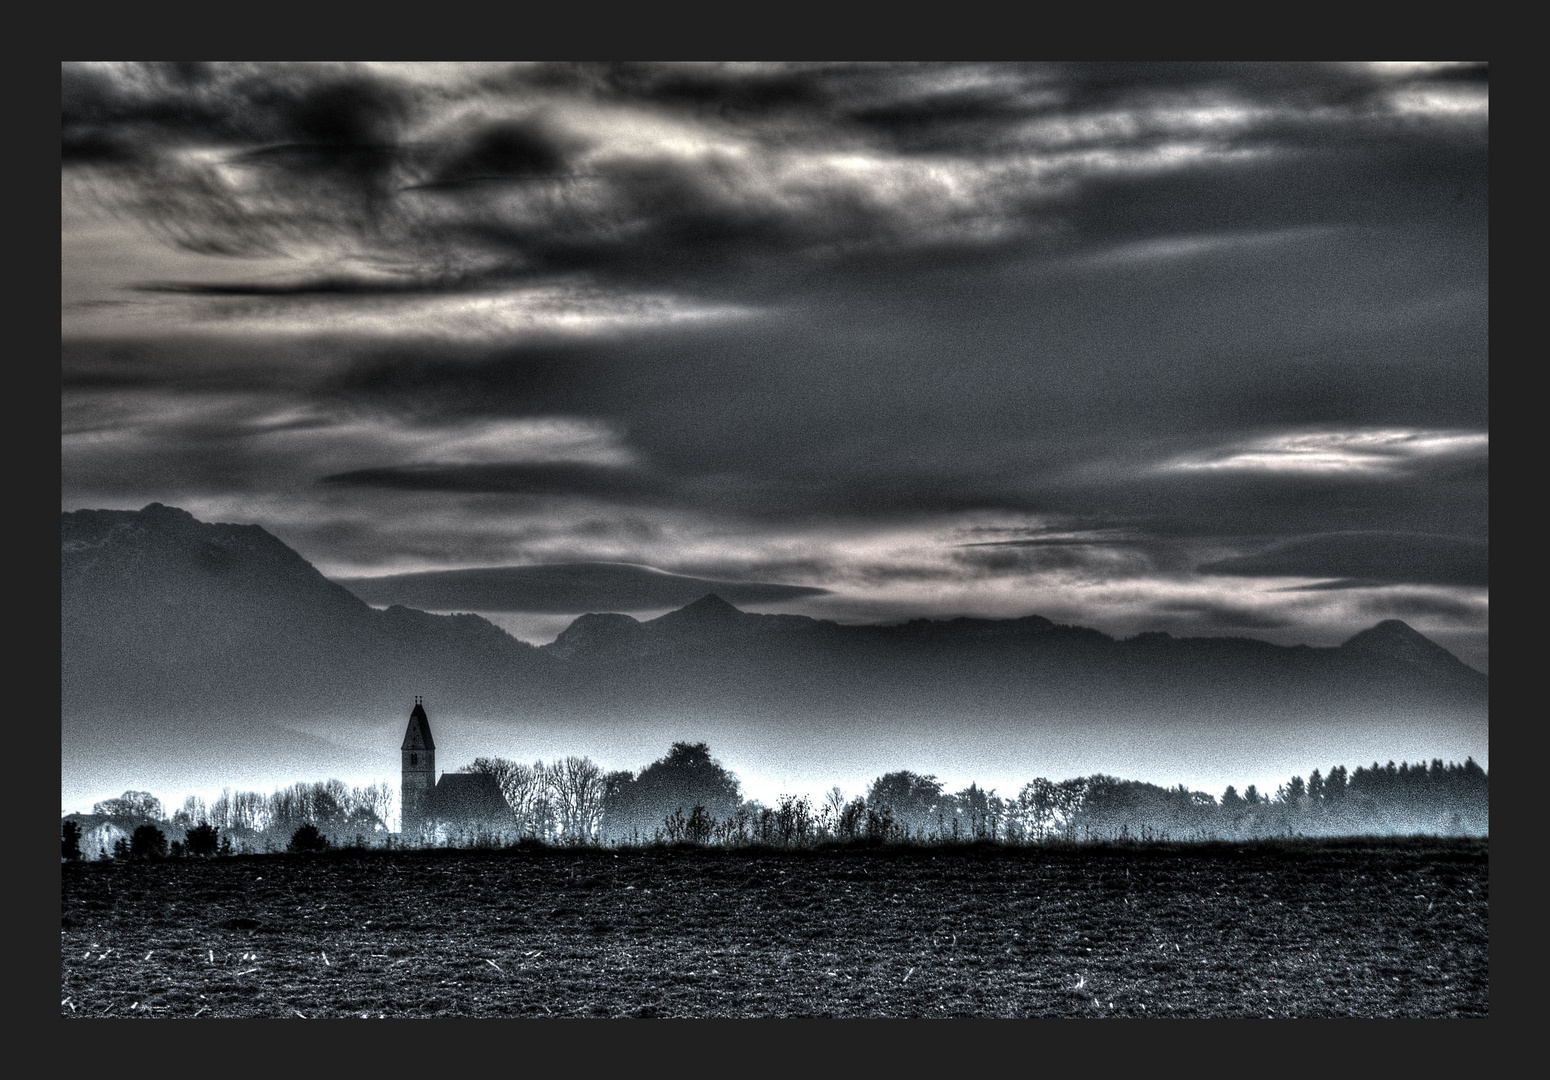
320	149
316	286
325	118
562	589
355	151
503	152
1360	558
465	380
718	89
506	479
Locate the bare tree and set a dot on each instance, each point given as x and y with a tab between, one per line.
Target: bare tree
378	801
338	793
367	809
131	804
251	811
192	813
833	811
578	788
525	788
220	810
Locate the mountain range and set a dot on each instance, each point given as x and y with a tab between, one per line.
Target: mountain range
178	634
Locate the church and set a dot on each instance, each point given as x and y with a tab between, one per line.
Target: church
456	800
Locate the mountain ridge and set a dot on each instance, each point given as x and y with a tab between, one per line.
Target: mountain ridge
168	622
248	555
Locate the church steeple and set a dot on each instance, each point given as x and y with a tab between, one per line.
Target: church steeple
419	770
418	736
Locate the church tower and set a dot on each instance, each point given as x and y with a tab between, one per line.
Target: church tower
419	770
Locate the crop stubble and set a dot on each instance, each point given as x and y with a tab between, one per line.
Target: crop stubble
1396	928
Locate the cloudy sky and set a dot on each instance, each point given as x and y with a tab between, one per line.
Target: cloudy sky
1200	348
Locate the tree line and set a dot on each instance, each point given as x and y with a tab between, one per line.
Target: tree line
235	822
689	796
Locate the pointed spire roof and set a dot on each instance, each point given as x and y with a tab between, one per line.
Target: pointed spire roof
418	735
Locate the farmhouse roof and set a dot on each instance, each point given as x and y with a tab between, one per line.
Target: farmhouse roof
468	797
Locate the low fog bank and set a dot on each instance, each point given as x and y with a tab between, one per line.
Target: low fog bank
817	759
771	756
688	796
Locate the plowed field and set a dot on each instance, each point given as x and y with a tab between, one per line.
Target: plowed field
1360	928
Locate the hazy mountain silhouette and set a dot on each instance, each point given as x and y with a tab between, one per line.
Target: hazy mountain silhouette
198	636
1393	639
711	655
560	587
161	612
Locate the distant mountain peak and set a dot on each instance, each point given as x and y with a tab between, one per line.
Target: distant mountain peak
707	608
1395	639
596	632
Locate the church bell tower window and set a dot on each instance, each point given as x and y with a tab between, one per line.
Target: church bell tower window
414	759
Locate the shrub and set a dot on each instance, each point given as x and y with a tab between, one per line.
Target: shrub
148	842
203	839
308	838
698	829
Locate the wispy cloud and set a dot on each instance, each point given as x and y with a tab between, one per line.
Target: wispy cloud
1363	452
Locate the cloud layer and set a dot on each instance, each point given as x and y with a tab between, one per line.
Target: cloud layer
1144	346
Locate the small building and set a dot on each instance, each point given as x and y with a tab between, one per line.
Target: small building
99	833
469	799
458	800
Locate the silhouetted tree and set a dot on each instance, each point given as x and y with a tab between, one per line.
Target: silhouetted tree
308	838
1291	792
148	842
203	839
1036	806
70	841
1316	787
854	819
910	799
976	812
1335	784
685	778
699	826
833	810
791	822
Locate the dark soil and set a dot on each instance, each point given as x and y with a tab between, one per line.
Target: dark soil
1350	928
